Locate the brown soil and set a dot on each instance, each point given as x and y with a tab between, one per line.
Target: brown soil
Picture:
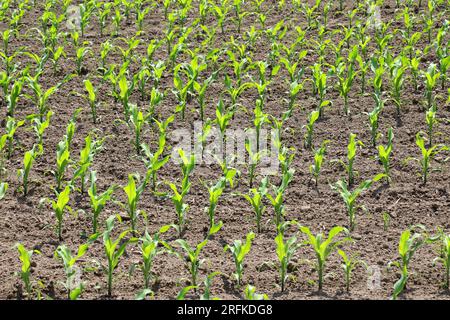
409	202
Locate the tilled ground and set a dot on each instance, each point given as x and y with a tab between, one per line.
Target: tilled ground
405	199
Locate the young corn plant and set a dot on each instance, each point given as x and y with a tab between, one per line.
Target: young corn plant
40	97
62	162
155	161
25	271
350	197
133	196
187	166
126	89
239	250
28	160
277	200
397	71
384	154
8	139
207	284
181	207
312	118
374	116
444	258
3	189
81	54
59	207
98	201
12	98
149	249
254	159
431	78
91	148
114	249
215	191
192	255
69	260
319	155
323	246
410	242
320	87
39	126
351	154
136	123
92	98
256	200
250	294
427	156
286	248
349	263
346	75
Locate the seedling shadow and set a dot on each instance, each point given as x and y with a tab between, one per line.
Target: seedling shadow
230	287
380	189
320	294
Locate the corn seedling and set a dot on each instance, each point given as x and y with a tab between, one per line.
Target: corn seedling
323	246
154	161
187	166
181	207
351	154
250	294
444	258
133	196
319	155
114	249
374	117
62	162
92	98
320	87
207	284
39	125
149	249
40	97
427	156
91	148
12	97
410	242
3	189
239	250
215	191
28	160
81	54
255	198
69	260
59	206
192	257
98	201
286	248
254	159
349	263
384	154
350	197
312	118
126	89
25	272
8	139
346	75
431	78
277	200
397	71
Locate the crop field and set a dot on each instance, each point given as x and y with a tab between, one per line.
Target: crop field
224	149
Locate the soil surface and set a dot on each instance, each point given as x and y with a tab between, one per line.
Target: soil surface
30	221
